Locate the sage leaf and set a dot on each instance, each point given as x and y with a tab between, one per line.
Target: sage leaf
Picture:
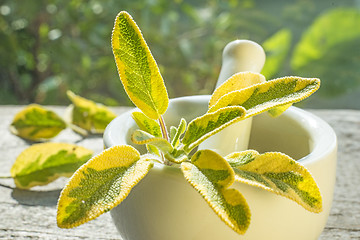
142	137
88	115
280	174
37	123
207	125
43	163
137	68
211	175
264	96
178	131
100	184
147	124
236	82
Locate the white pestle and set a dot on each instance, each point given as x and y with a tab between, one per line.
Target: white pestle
238	56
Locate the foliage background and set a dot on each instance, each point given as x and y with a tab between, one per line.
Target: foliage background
49	46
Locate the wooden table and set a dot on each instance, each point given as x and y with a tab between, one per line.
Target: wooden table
32	214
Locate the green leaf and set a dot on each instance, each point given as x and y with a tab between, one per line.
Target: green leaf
236	82
178	131
264	96
276	49
36	123
101	184
88	115
137	68
211	176
207	125
141	137
280	174
147	124
43	163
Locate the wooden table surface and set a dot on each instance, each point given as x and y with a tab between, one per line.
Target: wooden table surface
32	214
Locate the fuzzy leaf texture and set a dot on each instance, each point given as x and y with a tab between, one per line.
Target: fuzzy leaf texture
264	96
236	82
100	184
36	123
211	175
137	68
142	137
207	125
43	163
277	173
88	115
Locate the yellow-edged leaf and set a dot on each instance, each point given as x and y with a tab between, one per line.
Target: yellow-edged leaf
137	68
175	135
37	123
236	82
207	125
147	124
88	115
277	111
211	176
142	137
100	184
43	163
264	96
277	173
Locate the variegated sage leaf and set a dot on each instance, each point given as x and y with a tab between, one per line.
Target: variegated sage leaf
280	174
37	123
211	175
236	82
137	68
43	163
207	125
264	96
88	115
142	137
277	111
147	124
178	131
100	184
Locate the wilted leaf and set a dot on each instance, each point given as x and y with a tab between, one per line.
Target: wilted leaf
101	184
264	96
207	125
211	176
88	115
236	82
37	123
43	163
137	68
280	174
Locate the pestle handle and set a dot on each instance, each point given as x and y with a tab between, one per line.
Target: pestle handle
241	56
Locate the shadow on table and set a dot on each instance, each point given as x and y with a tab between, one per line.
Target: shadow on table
36	198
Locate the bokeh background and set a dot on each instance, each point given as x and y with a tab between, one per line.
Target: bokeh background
50	46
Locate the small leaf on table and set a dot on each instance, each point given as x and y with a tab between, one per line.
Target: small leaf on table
101	184
277	173
211	175
88	115
36	123
43	163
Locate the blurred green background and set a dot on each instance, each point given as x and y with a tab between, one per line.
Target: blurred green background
49	46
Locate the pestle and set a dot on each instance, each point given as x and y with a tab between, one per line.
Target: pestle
238	56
